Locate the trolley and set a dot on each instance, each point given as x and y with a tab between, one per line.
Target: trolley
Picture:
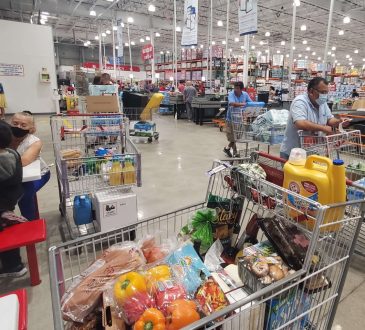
300	308
92	153
345	145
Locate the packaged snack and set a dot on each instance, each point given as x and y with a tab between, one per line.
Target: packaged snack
132	298
167	292
181	313
211	297
84	294
187	267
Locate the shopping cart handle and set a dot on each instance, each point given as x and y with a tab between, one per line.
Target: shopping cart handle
272	157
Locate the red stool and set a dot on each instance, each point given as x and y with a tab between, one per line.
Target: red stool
25	234
23	307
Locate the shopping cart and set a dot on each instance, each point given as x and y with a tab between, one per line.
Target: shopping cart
92	154
285	304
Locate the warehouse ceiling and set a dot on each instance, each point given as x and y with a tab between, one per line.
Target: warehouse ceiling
72	23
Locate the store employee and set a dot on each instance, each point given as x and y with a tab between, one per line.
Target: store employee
237	99
308	112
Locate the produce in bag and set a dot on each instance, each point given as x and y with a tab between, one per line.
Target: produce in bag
130	292
181	313
151	319
154	251
85	294
158	273
166	292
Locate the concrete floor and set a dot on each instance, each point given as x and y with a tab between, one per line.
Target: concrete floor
173	176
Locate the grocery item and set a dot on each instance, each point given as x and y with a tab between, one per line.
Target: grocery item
129	174
151	319
181	313
127	285
92	322
211	297
83	295
133	307
71	157
166	292
82	210
319	179
115	174
158	273
154	251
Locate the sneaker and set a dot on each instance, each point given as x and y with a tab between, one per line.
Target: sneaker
227	151
17	271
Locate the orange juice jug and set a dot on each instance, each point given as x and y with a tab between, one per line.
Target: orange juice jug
320	179
115	174
129	172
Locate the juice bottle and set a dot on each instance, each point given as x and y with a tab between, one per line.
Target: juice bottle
115	174
129	172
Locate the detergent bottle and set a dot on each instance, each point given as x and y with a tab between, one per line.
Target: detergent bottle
115	174
82	212
129	173
319	179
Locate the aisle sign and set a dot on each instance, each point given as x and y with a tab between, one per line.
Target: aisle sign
120	38
247	17
190	29
16	70
147	52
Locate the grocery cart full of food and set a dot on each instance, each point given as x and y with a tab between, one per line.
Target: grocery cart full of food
238	260
97	165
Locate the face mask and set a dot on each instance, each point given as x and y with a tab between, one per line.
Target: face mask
322	99
19	132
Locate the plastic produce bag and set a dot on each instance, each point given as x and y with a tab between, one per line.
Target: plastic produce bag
154	251
85	294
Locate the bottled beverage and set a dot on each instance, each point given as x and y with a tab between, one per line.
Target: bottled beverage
129	173
115	174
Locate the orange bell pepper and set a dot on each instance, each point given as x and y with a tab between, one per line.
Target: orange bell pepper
181	313
127	285
151	319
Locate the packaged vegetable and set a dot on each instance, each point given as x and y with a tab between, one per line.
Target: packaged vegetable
187	267
156	274
211	297
85	293
167	292
154	251
181	313
151	319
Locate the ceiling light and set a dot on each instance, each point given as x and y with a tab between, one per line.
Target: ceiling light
300	55
346	20
151	8
304	42
314	54
116	47
308	49
45	13
133	43
329	53
347	56
110	0
131	75
178	29
236	39
350	63
223	42
338	63
201	46
306	57
356	51
107	31
333	54
278	51
352	66
161	52
148	38
350	59
266	51
157	34
141	40
45	17
130	20
296	3
287	55
335	61
220	23
96	37
242	47
363	59
303	27
282	43
168	52
192	47
341	32
261	42
319	58
103	34
92	13
267	34
293	47
253	47
86	44
126	44
42	21
295	60
333	48
122	24
213	43
115	28
259	53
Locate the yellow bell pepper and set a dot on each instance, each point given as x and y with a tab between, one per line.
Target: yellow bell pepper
159	273
129	284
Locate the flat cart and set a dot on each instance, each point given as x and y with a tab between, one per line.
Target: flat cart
299	308
86	147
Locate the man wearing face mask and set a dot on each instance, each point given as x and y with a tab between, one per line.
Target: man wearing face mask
29	148
310	113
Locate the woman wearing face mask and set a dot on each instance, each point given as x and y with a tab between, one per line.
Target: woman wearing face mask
29	147
309	112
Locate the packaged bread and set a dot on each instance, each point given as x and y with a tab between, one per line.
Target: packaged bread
86	293
70	153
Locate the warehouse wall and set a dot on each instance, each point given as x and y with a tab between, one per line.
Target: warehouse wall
29	45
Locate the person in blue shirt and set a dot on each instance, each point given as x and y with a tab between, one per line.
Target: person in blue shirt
237	100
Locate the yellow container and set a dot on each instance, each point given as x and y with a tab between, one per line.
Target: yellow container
319	179
115	174
129	173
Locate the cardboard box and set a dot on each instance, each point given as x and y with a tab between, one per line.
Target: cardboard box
359	104
102	104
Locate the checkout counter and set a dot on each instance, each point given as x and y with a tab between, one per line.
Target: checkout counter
206	108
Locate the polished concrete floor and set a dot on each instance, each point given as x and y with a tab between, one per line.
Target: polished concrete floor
173	176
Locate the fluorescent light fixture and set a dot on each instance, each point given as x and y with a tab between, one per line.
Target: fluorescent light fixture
295	60
110	0
363	59
192	47
313	53
267	34
220	23
282	43
350	63
259	53
338	63
346	19
203	78
122	24
157	75
92	13
356	51
335	61
308	49
303	27
130	20
96	37
352	66
157	35
213	43
333	54
261	42
296	3
293	47
148	38
103	34
223	42
300	55
341	32
201	46
230	50
45	17
347	56
86	44
253	47
329	53
242	47
266	51
333	48
108	32
306	57
319	58
171	78
116	47
236	39
115	28
287	55
168	52
133	43
304	42
131	75
161	52
126	44
45	13
278	51
151	8
178	29
141	40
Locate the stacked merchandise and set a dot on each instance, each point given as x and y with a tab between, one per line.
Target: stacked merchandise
81	81
165	104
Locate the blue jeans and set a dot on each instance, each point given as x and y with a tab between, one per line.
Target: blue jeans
27	203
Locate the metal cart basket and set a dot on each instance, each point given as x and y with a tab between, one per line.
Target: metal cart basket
259	310
92	153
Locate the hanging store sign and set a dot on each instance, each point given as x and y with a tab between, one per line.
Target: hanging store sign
247	16
190	29
147	52
120	38
95	65
11	70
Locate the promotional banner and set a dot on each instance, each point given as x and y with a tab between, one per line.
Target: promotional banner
147	52
190	29
120	39
247	16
